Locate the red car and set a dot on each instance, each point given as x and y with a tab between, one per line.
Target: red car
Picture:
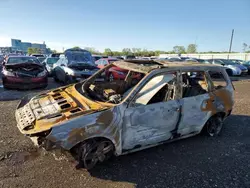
114	73
24	72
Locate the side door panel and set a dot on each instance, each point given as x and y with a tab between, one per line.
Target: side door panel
193	117
148	121
150	124
194	113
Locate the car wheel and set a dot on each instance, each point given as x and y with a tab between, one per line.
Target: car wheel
213	126
111	77
229	72
55	77
92	151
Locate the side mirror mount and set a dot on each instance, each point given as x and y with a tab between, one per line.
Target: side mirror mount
223	64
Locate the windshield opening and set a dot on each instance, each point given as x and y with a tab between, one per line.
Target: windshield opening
52	60
79	56
17	60
111	85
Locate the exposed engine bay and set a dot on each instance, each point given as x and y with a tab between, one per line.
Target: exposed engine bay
112	91
25	69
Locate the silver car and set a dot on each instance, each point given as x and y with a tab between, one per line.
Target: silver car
74	65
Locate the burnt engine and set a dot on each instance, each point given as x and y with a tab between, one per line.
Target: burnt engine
26	70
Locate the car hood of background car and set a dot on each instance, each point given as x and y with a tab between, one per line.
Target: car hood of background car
242	67
23	65
50	109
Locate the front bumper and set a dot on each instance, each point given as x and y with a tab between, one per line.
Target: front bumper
244	72
21	83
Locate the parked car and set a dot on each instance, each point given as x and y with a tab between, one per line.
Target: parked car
232	68
238	61
127	57
114	73
203	61
41	59
97	57
37	55
95	120
49	62
244	70
74	65
247	64
24	72
55	55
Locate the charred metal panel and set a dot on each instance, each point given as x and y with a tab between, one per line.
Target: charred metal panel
148	124
192	116
100	124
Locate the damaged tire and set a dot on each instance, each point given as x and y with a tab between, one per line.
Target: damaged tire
93	151
213	126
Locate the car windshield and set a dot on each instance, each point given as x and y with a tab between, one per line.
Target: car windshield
41	59
18	60
52	60
79	56
113	83
227	62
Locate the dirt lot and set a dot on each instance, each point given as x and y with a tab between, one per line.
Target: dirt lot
195	162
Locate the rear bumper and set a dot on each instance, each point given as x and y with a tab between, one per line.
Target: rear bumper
19	83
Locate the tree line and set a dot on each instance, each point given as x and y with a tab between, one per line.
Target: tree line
191	48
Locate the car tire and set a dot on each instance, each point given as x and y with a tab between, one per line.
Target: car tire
55	77
213	126
93	151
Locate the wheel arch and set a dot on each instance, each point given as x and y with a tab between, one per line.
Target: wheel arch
218	114
97	138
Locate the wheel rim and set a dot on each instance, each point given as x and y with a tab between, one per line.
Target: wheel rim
214	127
99	152
111	77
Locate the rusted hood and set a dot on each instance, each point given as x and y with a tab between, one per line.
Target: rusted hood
49	109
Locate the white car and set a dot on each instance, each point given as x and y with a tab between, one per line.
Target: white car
74	65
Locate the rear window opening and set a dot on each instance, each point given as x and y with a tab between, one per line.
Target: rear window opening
218	79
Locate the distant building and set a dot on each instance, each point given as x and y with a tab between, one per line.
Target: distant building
23	46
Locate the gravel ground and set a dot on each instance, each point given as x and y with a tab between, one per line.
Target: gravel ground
194	162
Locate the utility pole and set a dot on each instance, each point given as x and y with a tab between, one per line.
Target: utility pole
231	41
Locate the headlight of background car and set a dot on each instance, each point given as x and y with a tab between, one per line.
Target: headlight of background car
41	74
8	73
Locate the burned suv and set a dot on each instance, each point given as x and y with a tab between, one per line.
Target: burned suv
97	118
73	65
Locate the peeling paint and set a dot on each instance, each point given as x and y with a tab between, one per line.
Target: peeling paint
135	123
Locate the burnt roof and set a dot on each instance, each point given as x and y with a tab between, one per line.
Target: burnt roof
146	66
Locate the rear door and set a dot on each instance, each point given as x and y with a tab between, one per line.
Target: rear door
196	94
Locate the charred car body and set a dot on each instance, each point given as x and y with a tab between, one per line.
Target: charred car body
24	72
96	119
73	65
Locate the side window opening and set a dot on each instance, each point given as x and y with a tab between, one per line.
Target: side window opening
194	83
159	89
218	79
